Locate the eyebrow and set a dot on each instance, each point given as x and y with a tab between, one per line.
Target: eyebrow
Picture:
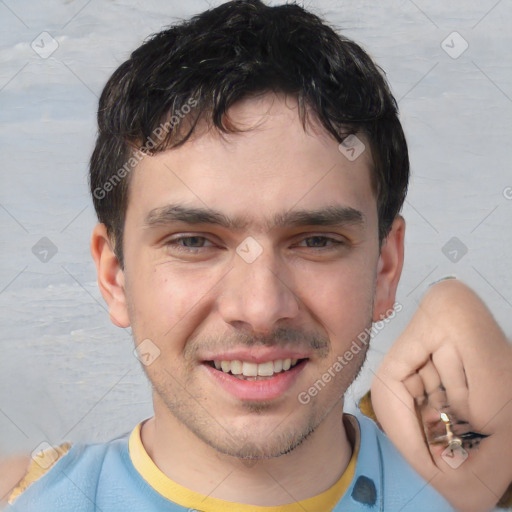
328	216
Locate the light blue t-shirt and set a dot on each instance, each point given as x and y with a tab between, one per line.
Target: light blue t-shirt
102	478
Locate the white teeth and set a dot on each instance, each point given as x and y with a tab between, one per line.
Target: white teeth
249	369
236	367
266	369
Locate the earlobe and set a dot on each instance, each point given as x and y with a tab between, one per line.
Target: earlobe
389	269
110	276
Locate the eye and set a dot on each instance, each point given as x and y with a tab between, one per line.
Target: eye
193	241
188	242
320	242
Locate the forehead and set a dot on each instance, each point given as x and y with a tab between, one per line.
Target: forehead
272	164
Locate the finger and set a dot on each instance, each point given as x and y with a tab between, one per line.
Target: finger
434	404
410	351
448	364
436	394
414	385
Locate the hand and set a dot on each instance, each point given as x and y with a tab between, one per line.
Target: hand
452	359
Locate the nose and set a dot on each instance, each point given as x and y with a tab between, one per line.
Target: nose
257	296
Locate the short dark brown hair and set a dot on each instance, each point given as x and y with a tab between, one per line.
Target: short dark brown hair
197	69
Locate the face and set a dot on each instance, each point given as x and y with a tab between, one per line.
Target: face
252	263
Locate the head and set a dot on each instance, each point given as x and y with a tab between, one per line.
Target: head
232	225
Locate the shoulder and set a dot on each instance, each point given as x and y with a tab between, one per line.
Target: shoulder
58	466
19	472
12	471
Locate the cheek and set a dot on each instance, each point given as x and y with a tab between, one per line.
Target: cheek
342	298
167	303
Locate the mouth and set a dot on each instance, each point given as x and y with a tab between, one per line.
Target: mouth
248	370
251	381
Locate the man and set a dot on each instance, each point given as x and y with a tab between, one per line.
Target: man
248	177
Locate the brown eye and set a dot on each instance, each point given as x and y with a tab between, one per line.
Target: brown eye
319	242
192	241
188	242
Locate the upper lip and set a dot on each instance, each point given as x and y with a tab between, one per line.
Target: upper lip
256	355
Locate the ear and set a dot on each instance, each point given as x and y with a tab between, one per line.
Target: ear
110	276
389	269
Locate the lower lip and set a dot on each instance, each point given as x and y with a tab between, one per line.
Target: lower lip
257	390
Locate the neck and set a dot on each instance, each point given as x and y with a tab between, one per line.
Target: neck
308	470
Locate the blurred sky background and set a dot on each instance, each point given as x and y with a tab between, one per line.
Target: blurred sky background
66	373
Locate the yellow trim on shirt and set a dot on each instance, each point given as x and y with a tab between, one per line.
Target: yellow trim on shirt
366	406
190	499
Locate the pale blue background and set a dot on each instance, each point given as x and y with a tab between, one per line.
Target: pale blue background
65	371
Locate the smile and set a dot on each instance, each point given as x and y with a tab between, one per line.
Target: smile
251	381
248	370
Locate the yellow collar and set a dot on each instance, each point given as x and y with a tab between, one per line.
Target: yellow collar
193	500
